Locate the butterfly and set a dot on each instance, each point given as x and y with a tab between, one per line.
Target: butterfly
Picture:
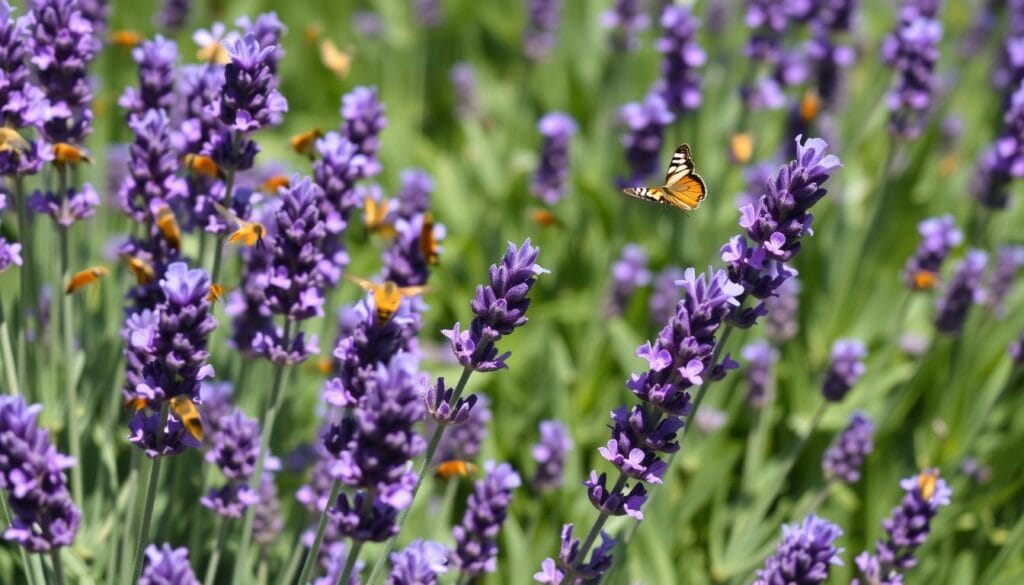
334	59
926	482
449	469
387	296
376	217
85	278
247	233
683	189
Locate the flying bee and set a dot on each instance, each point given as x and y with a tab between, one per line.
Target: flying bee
375	215
135	404
545	218
143	272
312	32
683	188
214	52
202	165
428	243
334	59
126	39
168	226
924	280
741	147
926	482
449	469
387	296
810	104
188	414
67	154
305	142
322	366
85	278
217	292
11	141
275	183
247	233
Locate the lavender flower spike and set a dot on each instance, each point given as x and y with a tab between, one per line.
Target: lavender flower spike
552	572
1009	261
846	455
173	14
467	95
23	103
939	235
782	321
846	368
645	123
362	122
419	564
963	290
682	57
157	60
1003	161
548	184
167	566
235	450
627	19
759	357
250	99
476	537
549	453
804	555
912	51
541	32
628	274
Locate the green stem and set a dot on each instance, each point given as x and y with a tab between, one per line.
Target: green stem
266	431
428	457
293	563
130	518
29	300
5	517
70	388
262	572
149	502
8	356
321	528
211	567
58	567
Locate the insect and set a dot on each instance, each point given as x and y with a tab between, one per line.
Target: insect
387	296
545	218
375	216
810	104
217	292
428	243
202	165
168	226
312	32
247	233
186	411
143	272
135	404
67	154
741	147
85	278
926	483
126	39
274	183
334	59
683	189
214	52
449	469
924	280
303	143
322	366
11	141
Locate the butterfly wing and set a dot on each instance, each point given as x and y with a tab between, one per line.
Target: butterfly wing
365	283
680	166
687	193
652	194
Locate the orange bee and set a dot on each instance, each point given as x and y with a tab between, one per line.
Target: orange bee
186	411
135	404
741	147
202	165
428	243
545	218
387	296
334	59
924	280
926	482
217	292
85	278
312	32
246	233
810	104
67	154
168	226
375	217
321	366
126	39
214	52
143	272
305	142
274	183
449	469
11	141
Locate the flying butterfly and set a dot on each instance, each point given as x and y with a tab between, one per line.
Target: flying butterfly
387	296
186	411
247	233
449	469
683	189
168	226
375	215
202	165
142	270
545	218
304	142
67	154
85	277
428	243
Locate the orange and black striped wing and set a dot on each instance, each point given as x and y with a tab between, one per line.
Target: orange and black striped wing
680	166
651	194
687	193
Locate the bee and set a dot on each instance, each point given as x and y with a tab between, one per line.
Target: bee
449	469
375	216
926	482
312	32
217	292
810	104
126	39
387	296
11	141
683	189
924	280
202	165
188	414
247	233
322	366
275	183
428	244
305	142
214	52
545	218
143	272
334	59
135	404
168	226
67	154
85	278
741	147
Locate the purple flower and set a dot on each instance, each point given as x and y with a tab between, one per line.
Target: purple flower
500	308
198	91
476	537
553	572
782	321
438	399
462	440
912	50
645	124
250	100
76	205
336	171
664	294
1009	261
846	367
804	555
32	474
156	60
846	454
368	23
236	445
939	235
334	557
173	14
167	566
415	191
467	96
549	453
963	290
295	284
419	564
363	120
62	44
429	13
548	184
627	20
1003	161
830	21
23	103
267	521
680	83
267	29
629	273
404	261
217	405
97	12
760	356
541	34
152	168
977	471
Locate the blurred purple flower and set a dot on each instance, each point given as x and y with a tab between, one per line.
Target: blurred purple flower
363	120
462	440
476	537
645	124
846	454
963	290
682	57
782	320
629	273
167	566
664	294
419	564
173	14
467	96
939	235
549	453
978	472
845	368
76	205
368	23
429	13
404	261
710	419
548	184
1003	161
236	445
1009	262
97	12
416	188
627	19
1017	352
759	356
267	521
157	60
805	554
542	24
912	50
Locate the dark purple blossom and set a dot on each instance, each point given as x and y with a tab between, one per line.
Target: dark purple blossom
32	474
23	102
462	440
846	455
804	556
419	564
827	53
267	521
295	284
167	566
250	99
338	168
152	169
548	184
964	289
267	29
782	321
626	19
553	572
541	34
939	235
549	453
404	261
363	120
912	50
157	60
76	205
682	58
1009	262
417	186
438	399
236	446
1003	161
467	96
759	356
845	368
476	537
664	294
645	124
173	14
629	273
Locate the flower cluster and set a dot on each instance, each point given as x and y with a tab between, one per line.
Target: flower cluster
476	537
173	14
404	260
759	357
645	124
267	29
804	556
167	566
1003	161
236	445
152	168
250	99
912	50
768	21
846	367
419	564
549	453
362	122
827	52
680	83
156	60
569	556
548	183
939	235
846	454
627	20
23	103
963	290
541	32
629	273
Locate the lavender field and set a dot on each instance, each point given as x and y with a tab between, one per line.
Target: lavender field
351	292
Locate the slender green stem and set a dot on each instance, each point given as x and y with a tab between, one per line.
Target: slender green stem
5	517
211	567
266	431
321	528
10	367
58	566
131	517
819	498
70	387
149	502
29	300
428	457
263	571
795	451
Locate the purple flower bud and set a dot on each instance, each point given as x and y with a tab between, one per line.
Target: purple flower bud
267	522
541	34
912	50
157	60
627	20
167	566
476	537
1017	352
419	564
173	14
645	124
295	283
467	96
1009	261
236	446
1003	161
250	99
804	555
152	170
846	455
429	13
548	184
336	171
549	453
846	367
664	295
552	572
267	30
439	405
462	441
978	472
939	235
363	120
680	84
415	191
760	356
76	205
622	503
963	290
